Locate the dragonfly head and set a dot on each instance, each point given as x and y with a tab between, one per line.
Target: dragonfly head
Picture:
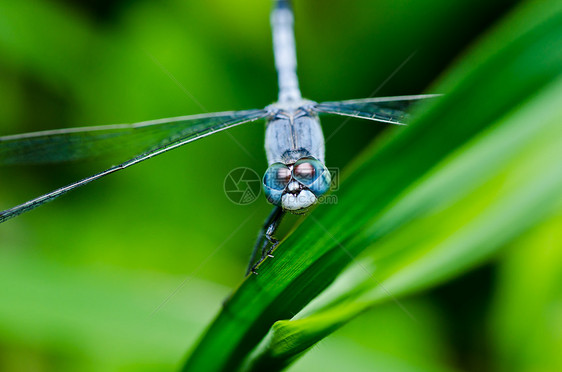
296	187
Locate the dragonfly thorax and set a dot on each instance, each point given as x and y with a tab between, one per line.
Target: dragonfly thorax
292	132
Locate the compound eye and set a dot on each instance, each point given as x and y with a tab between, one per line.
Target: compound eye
313	174
277	176
307	170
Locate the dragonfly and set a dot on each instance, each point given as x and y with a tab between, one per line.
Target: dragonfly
296	176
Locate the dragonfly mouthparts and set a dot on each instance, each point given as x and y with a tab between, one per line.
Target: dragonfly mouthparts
298	203
294	187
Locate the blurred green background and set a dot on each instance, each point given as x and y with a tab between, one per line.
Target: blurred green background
125	273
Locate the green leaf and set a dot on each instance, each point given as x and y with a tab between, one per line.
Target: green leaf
472	172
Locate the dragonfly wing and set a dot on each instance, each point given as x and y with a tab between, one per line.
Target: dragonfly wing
122	139
193	128
384	109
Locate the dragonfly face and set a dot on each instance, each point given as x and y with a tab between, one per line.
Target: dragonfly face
295	187
294	144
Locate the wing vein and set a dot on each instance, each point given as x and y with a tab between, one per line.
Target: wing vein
190	137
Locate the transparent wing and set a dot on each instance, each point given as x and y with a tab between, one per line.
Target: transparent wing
384	109
187	129
128	139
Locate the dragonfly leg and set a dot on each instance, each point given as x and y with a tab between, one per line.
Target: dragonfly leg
265	236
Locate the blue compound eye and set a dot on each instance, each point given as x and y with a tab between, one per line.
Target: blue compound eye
307	170
277	176
275	180
312	174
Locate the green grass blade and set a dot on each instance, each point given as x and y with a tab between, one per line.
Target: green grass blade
515	194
